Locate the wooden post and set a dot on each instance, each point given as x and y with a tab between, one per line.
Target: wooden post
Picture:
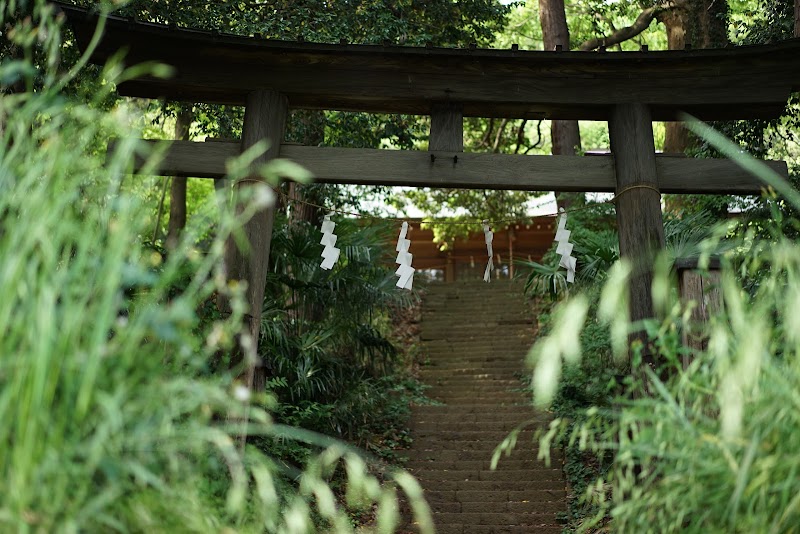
450	269
641	227
447	135
703	288
447	127
265	118
512	235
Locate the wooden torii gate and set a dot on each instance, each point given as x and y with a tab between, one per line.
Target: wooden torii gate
628	89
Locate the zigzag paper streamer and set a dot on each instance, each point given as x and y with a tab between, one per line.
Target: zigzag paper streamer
404	258
489	236
330	254
564	248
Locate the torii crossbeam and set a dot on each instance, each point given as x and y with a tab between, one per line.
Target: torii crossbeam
628	89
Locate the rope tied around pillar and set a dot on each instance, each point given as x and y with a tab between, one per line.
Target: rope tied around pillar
631	187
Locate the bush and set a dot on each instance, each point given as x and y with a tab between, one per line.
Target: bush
112	421
708	448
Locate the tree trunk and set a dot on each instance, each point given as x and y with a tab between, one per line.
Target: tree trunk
177	192
310	130
676	138
565	135
311	126
709	28
797	18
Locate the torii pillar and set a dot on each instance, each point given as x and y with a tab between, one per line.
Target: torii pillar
447	135
639	220
264	119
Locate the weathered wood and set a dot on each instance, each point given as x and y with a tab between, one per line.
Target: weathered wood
473	171
702	289
265	118
177	194
447	134
639	221
447	127
737	83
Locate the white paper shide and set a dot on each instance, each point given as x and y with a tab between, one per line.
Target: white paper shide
489	236
564	248
330	254
404	258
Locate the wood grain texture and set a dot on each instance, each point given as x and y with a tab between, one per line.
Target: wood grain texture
265	119
473	170
447	135
447	127
702	289
639	221
743	82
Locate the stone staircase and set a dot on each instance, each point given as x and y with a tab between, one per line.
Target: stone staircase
476	336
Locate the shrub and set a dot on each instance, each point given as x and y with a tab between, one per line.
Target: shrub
708	448
111	420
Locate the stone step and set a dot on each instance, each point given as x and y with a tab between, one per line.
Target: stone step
442	358
475	339
510	297
538	475
457	325
442	377
485	399
477	418
495	485
509	420
461	370
477	386
441	455
474	367
496	529
486	404
531	496
498	331
480	465
481	318
496	518
474	349
467	391
483	507
448	425
494	370
455	395
486	446
495	436
509	381
482	344
523	410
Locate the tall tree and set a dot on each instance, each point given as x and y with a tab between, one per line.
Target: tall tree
697	24
177	192
797	18
565	135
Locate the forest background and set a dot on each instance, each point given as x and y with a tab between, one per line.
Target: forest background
331	363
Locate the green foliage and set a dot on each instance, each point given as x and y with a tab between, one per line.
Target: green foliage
366	22
708	446
112	422
597	250
325	336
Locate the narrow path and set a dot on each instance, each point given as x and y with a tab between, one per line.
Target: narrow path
476	336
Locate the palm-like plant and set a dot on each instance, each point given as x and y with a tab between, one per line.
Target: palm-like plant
321	332
598	250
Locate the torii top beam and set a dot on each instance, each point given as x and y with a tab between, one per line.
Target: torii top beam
734	83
